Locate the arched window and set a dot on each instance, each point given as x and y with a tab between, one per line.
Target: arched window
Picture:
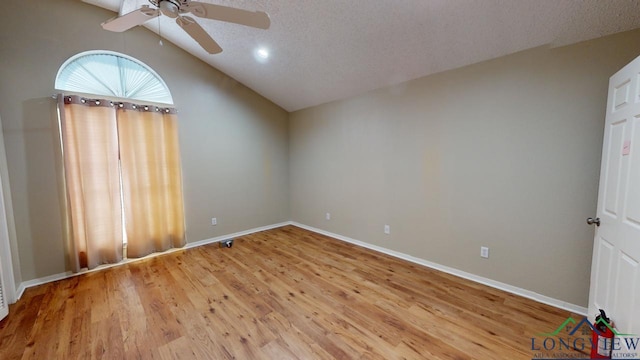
112	74
122	172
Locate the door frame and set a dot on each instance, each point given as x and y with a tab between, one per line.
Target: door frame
6	261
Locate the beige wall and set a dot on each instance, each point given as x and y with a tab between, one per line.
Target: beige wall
233	142
504	154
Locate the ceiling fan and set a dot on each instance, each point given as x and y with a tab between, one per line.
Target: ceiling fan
176	9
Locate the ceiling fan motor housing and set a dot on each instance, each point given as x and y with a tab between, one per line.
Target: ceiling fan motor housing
171	8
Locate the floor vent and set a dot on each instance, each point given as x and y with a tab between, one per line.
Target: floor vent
226	243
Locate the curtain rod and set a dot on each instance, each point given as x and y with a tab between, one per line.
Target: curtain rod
121	104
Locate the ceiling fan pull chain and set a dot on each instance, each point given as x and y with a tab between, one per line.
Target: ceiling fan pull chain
159	32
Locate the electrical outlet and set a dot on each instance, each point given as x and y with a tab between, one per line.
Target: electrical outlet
484	252
327	216
214	221
387	229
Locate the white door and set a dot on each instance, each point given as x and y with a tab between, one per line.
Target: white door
615	271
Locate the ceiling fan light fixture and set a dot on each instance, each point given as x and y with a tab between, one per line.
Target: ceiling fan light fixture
169	8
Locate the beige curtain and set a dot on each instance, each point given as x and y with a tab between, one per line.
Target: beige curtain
92	179
113	152
151	179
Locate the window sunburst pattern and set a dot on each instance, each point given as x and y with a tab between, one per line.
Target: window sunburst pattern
112	74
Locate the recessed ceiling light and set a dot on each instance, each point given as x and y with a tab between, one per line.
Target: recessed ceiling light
262	54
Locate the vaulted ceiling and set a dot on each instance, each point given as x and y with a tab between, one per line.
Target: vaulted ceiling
324	50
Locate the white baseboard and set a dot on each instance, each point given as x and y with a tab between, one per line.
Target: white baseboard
39	281
449	270
43	280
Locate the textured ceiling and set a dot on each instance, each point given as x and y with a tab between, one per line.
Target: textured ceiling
324	50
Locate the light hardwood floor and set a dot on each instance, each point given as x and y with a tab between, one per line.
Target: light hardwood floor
280	294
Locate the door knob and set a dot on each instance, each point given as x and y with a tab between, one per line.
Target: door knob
592	221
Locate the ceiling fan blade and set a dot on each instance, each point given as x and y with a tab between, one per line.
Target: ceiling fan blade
127	21
256	19
198	34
